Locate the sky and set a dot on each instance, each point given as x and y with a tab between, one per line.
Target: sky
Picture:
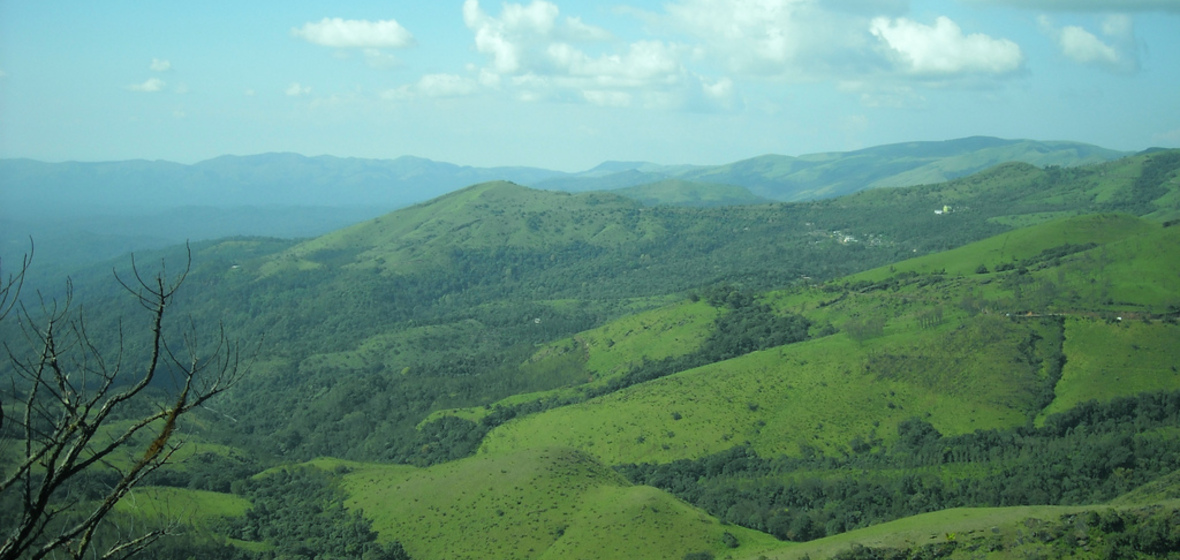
567	84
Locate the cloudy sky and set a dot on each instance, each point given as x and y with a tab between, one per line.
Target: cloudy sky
567	84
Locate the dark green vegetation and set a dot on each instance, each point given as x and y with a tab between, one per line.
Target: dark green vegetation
1138	533
1091	454
787	368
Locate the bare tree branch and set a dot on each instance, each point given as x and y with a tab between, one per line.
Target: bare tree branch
70	393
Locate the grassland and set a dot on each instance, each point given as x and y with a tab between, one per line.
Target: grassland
935	356
819	394
543	504
195	507
1110	359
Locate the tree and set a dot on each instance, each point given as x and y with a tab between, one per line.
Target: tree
79	412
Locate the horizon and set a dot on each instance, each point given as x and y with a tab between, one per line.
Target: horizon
566	85
571	172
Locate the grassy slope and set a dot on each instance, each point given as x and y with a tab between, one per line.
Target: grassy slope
543	504
480	216
817	393
1110	360
594	357
197	507
969	373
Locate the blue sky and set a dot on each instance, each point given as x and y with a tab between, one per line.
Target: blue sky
569	84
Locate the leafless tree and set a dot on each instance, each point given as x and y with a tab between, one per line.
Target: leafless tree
71	409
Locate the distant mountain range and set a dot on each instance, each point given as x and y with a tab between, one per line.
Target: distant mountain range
87	211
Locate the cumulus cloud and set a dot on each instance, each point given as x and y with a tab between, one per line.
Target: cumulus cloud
158	65
151	85
944	50
1083	46
1115	54
296	89
545	56
351	33
794	39
1121	6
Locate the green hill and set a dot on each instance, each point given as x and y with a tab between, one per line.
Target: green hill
801	370
552	503
946	347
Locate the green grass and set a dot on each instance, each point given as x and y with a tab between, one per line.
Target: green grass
820	393
544	503
1107	360
1019	244
968	373
594	357
961	524
1166	487
196	507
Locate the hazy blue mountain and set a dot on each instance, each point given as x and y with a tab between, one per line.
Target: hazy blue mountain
266	179
828	175
89	211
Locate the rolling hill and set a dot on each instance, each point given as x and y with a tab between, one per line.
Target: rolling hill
89	211
561	374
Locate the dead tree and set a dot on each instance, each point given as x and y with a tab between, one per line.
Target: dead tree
67	405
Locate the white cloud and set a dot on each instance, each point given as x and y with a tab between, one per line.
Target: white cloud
1082	46
295	90
3	74
794	39
547	56
351	33
158	65
151	85
943	49
250	93
721	90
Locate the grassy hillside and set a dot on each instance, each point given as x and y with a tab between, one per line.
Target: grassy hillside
549	503
944	347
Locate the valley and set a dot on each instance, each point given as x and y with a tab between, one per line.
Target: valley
980	363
